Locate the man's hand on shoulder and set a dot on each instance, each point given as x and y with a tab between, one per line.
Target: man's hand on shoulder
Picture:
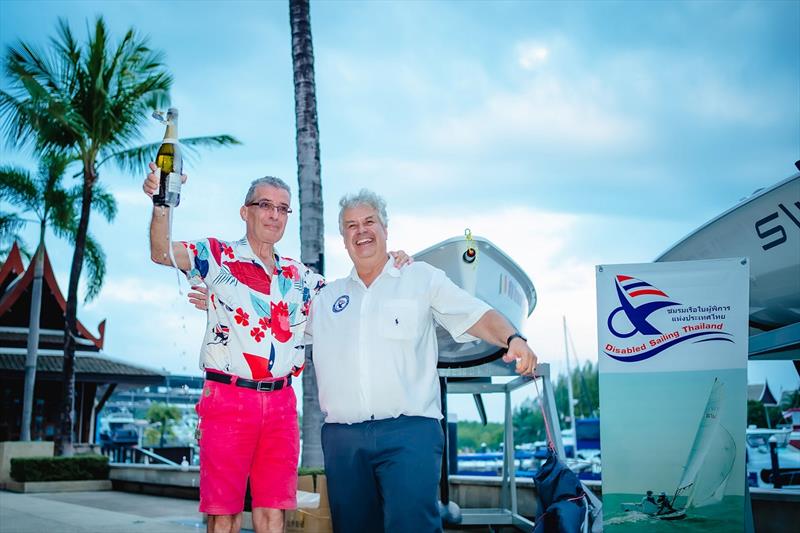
401	258
199	298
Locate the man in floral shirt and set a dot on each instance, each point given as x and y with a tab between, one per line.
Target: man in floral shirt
253	345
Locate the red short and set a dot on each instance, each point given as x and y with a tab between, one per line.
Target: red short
246	433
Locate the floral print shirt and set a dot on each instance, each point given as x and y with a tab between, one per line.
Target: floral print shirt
256	319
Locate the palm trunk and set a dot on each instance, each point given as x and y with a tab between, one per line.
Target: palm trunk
33	338
65	436
310	193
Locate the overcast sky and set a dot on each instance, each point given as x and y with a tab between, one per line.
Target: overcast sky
570	134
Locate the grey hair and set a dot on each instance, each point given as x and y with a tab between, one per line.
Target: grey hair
269	181
363	197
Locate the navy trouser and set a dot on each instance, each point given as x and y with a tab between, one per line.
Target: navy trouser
383	475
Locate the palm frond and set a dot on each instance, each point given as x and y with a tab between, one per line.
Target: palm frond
18	188
37	110
135	160
5	249
10	225
65	45
62	216
52	166
210	141
104	203
17	122
95	262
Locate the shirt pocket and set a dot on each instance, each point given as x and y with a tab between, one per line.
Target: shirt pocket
399	319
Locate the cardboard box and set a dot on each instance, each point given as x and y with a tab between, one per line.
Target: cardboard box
311	520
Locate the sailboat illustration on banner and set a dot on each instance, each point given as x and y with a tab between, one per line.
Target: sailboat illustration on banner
706	471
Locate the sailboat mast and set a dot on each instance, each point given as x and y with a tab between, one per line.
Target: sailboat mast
572	426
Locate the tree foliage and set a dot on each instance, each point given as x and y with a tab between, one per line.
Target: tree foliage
10	226
586	392
474	436
161	417
57	207
89	99
527	417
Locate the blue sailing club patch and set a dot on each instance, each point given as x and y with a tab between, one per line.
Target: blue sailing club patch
340	303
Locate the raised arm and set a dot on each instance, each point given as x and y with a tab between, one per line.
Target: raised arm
159	229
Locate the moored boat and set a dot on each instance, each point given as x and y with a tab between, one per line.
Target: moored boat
482	269
759	460
766	228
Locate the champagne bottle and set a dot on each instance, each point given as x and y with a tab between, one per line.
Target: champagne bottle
170	162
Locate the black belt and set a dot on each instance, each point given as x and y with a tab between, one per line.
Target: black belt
261	386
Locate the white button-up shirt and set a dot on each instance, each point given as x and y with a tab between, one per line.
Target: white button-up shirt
375	349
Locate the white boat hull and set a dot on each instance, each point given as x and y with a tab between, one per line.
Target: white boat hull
494	278
766	228
758	454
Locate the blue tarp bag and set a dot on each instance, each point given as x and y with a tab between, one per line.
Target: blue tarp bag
562	501
564	506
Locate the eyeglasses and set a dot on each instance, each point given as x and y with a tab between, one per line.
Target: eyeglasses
266	205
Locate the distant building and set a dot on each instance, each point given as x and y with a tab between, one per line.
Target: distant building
761	392
97	374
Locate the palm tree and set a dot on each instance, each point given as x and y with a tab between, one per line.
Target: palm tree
55	207
10	225
90	100
312	243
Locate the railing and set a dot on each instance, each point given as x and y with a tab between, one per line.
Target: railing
172	456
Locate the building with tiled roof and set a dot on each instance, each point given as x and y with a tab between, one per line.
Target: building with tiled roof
97	374
760	392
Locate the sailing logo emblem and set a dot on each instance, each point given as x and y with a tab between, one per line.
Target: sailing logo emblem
341	303
631	290
638	300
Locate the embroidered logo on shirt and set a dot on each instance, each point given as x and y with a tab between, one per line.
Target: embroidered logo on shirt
341	303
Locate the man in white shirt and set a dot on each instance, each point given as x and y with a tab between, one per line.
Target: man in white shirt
375	356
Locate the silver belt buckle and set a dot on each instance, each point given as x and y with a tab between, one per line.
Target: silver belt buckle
267	386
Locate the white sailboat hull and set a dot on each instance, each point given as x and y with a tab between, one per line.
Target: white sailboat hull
651	509
494	278
766	228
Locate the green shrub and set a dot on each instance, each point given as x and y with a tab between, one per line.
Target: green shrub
310	471
84	467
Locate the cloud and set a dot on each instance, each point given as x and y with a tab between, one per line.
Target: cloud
561	101
134	290
695	89
408	173
547	113
531	55
130	197
716	100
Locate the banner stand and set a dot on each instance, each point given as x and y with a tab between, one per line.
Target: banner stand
672	358
749	525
